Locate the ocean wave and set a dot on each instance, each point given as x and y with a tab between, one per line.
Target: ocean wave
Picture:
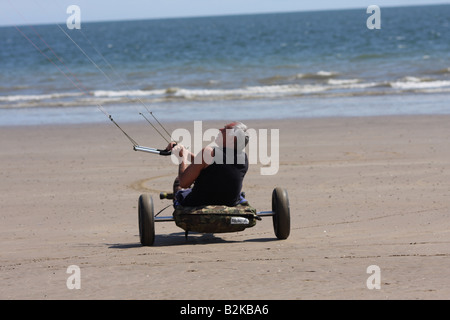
436	90
13	88
442	71
367	56
270	91
330	88
127	93
38	97
342	81
279	79
249	92
318	75
413	83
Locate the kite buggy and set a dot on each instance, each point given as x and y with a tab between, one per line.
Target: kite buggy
211	218
214	218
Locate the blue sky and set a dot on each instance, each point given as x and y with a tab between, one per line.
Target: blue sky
54	11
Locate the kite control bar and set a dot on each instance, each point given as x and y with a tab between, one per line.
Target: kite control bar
152	150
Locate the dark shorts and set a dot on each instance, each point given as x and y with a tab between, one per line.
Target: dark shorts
181	195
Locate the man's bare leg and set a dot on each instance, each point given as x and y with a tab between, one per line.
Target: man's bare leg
176	185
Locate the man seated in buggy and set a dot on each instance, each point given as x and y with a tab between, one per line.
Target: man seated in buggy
216	172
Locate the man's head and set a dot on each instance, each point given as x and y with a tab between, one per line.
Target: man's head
233	135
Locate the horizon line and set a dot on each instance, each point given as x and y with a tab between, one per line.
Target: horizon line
221	15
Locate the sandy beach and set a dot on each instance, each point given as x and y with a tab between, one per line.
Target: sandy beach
363	191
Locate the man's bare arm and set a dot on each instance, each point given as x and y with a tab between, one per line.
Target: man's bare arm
187	174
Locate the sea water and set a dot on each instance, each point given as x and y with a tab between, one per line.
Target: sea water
285	65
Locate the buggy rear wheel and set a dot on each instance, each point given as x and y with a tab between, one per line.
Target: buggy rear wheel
146	220
281	217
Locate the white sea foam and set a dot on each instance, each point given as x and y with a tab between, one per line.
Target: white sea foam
127	93
412	83
38	97
326	73
249	92
342	81
127	96
270	91
329	88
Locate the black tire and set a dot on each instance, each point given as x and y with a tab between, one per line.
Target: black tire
146	220
281	217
